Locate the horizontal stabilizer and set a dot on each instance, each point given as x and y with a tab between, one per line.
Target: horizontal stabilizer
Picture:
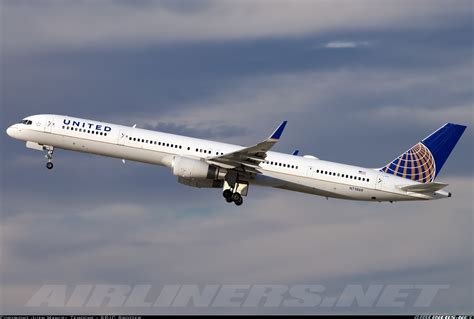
423	188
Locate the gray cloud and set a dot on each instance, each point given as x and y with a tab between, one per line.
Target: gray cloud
345	44
74	25
272	240
204	70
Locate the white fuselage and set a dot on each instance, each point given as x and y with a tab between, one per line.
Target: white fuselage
297	173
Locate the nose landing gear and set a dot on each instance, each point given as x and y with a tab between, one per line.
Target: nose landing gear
49	157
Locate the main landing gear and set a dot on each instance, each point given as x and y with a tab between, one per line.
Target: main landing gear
233	197
234	189
49	157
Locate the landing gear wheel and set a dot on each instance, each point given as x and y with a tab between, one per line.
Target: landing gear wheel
49	156
229	200
227	194
236	197
239	202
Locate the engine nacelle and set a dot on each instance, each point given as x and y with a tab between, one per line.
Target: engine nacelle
201	183
193	168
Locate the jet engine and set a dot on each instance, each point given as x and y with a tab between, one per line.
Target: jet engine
193	168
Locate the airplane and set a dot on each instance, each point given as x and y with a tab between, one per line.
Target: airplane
208	164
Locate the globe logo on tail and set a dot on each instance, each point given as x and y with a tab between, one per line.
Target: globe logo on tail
417	164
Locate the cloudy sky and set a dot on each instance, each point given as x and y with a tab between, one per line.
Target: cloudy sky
359	82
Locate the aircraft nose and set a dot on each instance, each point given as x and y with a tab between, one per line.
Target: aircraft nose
11	130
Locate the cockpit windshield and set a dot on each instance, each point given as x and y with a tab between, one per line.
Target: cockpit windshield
26	122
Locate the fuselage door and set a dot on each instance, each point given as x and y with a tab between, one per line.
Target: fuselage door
311	171
123	137
379	181
48	124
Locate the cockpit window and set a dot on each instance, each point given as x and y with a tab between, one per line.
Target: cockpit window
26	122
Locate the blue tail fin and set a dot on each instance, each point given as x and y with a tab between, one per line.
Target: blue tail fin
424	161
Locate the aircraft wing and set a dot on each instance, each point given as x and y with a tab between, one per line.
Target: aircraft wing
424	188
248	158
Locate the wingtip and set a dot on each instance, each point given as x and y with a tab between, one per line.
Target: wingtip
277	134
